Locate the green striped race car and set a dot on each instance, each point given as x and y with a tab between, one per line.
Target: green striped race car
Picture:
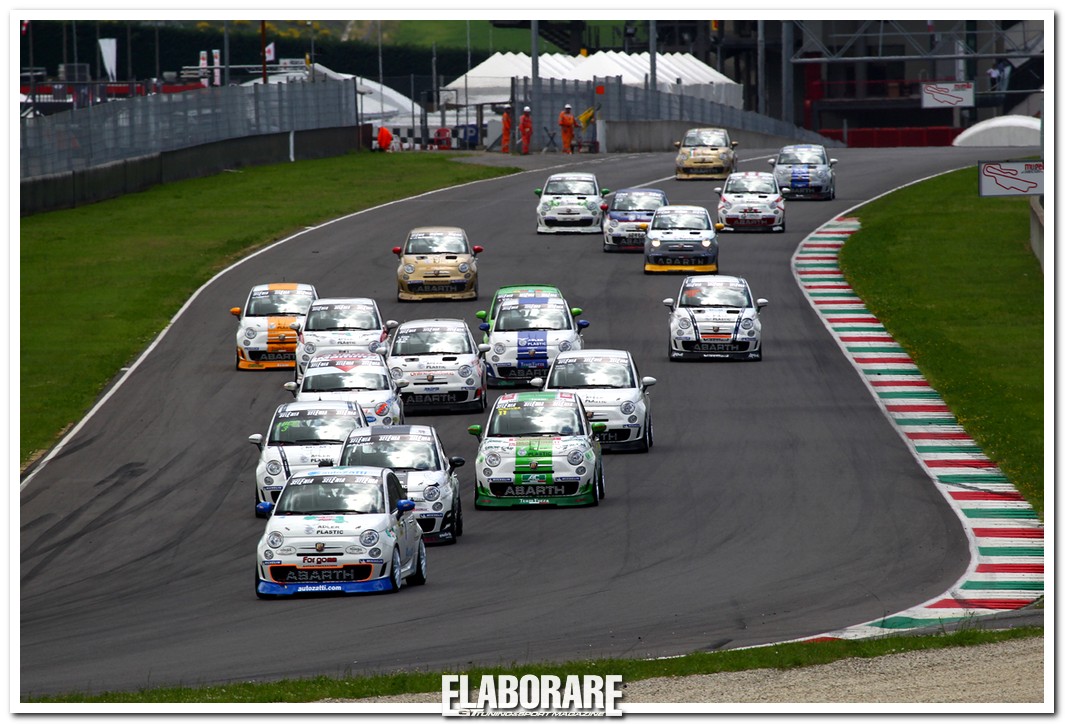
538	448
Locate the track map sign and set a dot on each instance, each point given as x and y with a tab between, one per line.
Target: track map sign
1011	178
947	94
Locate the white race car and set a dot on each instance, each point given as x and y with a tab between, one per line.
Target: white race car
715	317
265	339
751	200
613	393
442	364
526	334
339	530
428	476
360	377
342	323
302	436
805	171
538	449
570	202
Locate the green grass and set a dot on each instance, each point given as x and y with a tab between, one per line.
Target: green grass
952	277
780	656
99	282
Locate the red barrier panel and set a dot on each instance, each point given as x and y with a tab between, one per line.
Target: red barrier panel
913	136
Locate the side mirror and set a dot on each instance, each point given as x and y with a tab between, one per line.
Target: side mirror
761	303
604	192
604	206
295	325
483	348
391	324
291	387
772	162
538	191
598	427
582	323
718	226
668	303
676	144
717	190
576	312
456	461
481	314
235	311
648	381
484	327
785	189
537	382
475	430
256	440
264	509
477	250
735	143
397	250
405	506
832	162
400	384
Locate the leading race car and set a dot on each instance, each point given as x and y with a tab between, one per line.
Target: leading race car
705	153
342	323
613	392
360	377
437	262
342	530
715	317
265	339
526	334
805	171
627	216
681	238
570	203
441	362
751	200
428	476
538	449
302	436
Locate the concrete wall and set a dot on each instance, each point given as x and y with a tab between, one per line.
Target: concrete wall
648	136
86	186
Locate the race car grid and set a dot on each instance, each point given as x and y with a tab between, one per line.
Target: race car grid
1005	534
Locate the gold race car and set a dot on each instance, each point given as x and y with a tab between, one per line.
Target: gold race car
705	153
265	338
436	262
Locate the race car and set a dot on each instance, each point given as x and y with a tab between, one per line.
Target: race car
570	202
339	530
525	336
442	364
436	262
705	153
265	339
612	390
627	215
538	449
341	323
301	436
360	377
426	474
515	291
715	317
680	238
805	172
751	200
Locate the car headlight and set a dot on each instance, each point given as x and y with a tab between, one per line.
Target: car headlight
465	371
431	493
408	268
656	243
382	408
492	460
613	224
565	346
369	538
591	205
273	467
250	332
708	243
684	323
275	539
464	267
543	208
747	323
396	373
575	457
499	348
628	407
310	348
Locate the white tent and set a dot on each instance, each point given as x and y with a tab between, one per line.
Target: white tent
1008	130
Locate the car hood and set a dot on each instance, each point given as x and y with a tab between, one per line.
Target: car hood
644	216
607	398
681	234
435	259
533	447
722	317
432	362
366	398
340	337
315	526
704	151
277	327
417	480
304	455
568	200
532	338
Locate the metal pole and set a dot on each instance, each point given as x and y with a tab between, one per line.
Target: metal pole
761	67
262	42
652	47
380	72
537	114
787	88
129	52
225	52
466	86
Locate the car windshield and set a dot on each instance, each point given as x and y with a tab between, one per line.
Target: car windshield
806	156
278	301
705	138
529	421
312	427
356	379
591	372
750	186
339	317
570	187
396	454
422	341
717	295
337	498
637	202
437	243
532	317
681	221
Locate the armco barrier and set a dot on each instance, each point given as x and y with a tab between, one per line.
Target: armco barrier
911	136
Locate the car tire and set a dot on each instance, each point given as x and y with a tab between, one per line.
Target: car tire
648	436
418	577
395	573
602	481
456	520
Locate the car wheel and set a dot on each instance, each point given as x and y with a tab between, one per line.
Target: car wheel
602	481
395	574
420	567
456	519
648	436
595	489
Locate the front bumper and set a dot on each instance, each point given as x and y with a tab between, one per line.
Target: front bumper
436	527
712	170
677	263
358	577
561	223
744	222
272	358
624	240
749	349
438	288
